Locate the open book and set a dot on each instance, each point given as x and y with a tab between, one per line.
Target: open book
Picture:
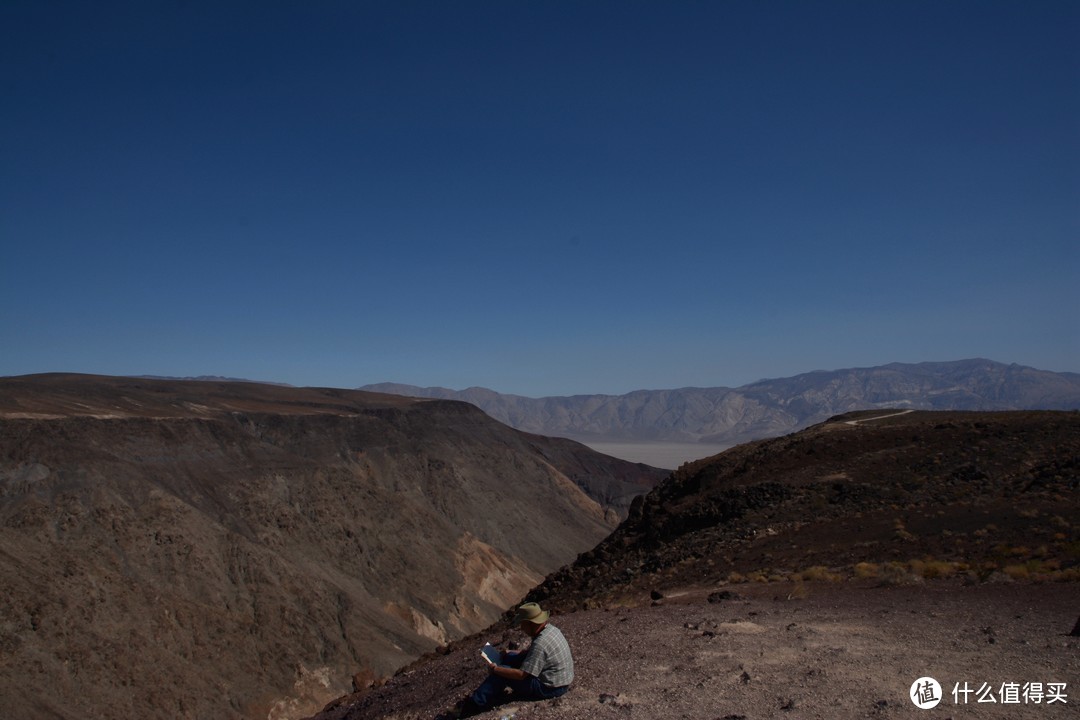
492	653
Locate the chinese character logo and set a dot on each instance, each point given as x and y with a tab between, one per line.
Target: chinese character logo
925	693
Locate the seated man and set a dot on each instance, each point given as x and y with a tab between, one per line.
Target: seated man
542	672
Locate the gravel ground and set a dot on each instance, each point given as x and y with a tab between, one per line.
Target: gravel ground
780	650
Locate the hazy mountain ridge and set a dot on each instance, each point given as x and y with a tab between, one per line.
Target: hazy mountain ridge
210	549
773	407
210	378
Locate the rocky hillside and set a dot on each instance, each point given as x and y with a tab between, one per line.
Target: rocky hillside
236	550
727	416
814	575
898	496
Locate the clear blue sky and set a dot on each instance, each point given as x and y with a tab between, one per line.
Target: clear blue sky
543	198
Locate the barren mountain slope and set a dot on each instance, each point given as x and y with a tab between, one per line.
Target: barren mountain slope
962	492
228	550
816	575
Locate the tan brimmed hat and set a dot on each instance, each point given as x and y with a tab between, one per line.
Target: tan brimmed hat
531	613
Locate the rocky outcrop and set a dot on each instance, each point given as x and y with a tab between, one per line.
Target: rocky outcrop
889	495
238	550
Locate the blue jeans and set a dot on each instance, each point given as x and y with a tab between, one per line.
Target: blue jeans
491	690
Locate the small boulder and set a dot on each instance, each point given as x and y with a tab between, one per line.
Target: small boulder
722	595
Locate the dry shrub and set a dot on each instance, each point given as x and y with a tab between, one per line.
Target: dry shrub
900	531
898	573
1017	572
1069	575
818	573
985	570
1044	570
798	590
867	570
933	569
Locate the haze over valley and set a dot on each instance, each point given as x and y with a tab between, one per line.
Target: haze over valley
665	428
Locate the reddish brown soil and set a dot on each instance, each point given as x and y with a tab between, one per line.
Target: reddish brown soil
779	650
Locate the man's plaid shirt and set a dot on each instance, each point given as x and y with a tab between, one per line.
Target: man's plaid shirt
549	659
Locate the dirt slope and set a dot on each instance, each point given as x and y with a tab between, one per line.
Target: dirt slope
235	550
828	651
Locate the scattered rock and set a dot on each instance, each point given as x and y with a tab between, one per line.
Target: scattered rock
745	677
722	595
788	704
616	700
365	680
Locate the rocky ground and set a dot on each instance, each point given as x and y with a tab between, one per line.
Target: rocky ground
785	650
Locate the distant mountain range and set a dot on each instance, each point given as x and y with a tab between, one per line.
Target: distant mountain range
769	408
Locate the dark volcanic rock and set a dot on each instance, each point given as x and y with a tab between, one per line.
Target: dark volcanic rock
906	495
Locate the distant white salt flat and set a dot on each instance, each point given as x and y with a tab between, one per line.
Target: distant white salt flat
658	454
